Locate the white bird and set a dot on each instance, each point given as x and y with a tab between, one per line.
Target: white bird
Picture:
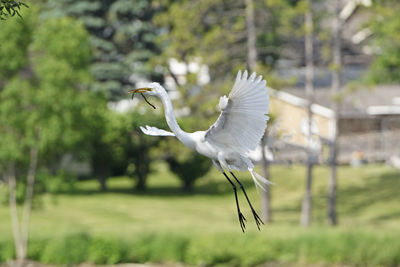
237	131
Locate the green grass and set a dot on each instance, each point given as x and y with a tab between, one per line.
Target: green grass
368	211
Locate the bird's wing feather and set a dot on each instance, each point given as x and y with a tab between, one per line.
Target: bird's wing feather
149	130
243	118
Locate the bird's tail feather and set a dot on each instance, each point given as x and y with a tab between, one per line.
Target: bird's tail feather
259	180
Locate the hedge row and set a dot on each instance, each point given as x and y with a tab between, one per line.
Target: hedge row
232	250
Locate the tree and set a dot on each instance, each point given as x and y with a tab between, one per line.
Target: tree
142	150
215	31
187	164
384	25
46	85
189	167
122	149
12	59
15	38
122	35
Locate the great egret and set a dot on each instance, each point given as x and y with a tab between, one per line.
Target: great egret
237	131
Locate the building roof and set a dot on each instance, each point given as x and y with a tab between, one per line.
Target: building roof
301	102
380	100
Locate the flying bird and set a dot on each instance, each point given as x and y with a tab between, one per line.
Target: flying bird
237	131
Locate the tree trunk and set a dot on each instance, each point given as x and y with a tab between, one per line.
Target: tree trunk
306	209
266	196
142	170
309	51
251	36
252	63
336	83
21	229
102	170
103	183
141	183
28	199
187	186
12	185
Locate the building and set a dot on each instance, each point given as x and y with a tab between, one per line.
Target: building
369	123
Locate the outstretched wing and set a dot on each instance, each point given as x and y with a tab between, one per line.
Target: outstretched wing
243	119
149	130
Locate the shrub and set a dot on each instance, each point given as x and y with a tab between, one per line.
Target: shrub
189	168
71	249
36	249
7	251
106	251
158	248
337	247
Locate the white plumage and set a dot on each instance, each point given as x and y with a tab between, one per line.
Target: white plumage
243	119
237	131
154	131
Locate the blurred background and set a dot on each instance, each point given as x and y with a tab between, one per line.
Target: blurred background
80	183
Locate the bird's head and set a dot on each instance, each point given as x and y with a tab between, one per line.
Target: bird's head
152	89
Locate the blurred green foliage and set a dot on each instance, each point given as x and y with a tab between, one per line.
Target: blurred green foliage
122	39
45	101
340	247
59	182
15	38
127	149
189	167
385	26
73	249
215	31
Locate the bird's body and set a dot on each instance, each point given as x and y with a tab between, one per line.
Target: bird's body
237	131
220	154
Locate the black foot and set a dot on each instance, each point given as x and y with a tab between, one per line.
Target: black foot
242	219
255	215
257	219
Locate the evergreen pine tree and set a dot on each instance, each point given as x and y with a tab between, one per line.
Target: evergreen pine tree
123	39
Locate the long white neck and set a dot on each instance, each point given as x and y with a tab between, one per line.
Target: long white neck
183	136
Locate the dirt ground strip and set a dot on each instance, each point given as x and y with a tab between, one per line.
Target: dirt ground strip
269	264
38	264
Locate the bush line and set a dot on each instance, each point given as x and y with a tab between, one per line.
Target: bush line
359	248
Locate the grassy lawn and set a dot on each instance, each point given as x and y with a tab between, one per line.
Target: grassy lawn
368	203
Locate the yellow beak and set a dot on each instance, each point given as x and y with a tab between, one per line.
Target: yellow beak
140	90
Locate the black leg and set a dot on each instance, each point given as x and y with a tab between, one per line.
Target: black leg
256	217
242	219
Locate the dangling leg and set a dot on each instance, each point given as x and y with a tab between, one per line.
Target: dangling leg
242	219
256	217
